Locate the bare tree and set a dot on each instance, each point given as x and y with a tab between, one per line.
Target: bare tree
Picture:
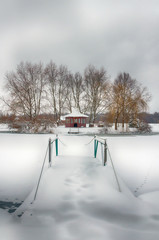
63	88
25	89
96	89
31	84
57	86
128	99
51	73
69	98
77	88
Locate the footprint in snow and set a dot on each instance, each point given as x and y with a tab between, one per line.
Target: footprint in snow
86	185
72	183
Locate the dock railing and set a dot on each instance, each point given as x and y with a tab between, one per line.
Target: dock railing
106	153
104	143
50	150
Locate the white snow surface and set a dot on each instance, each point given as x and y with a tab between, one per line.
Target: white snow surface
78	197
99	130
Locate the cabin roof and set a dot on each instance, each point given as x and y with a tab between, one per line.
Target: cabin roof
75	113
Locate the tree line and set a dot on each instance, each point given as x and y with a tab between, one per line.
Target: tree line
150	117
33	89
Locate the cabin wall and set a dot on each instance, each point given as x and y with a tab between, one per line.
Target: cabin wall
75	122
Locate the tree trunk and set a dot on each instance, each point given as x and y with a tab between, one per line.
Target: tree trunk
123	121
116	124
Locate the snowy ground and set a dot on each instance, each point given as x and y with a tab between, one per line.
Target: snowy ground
97	130
5	128
78	198
86	130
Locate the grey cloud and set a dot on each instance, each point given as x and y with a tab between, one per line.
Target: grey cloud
119	35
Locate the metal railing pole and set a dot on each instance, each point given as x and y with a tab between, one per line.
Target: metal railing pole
94	148
50	152
105	152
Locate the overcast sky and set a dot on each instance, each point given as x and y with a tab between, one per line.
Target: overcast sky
117	34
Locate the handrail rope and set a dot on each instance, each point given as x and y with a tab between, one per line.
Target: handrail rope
54	140
99	139
41	173
114	170
62	142
90	141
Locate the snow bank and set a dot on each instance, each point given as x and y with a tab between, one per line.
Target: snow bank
4	127
155	127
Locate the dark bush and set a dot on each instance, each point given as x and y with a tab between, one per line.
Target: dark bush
144	127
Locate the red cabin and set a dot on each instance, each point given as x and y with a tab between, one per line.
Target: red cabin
75	119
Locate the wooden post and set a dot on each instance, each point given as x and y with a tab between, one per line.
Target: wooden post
50	152
105	152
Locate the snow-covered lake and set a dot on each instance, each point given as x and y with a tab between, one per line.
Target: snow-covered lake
78	198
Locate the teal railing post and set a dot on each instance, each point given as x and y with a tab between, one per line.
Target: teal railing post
56	144
96	148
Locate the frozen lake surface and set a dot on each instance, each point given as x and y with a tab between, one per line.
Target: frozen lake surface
78	197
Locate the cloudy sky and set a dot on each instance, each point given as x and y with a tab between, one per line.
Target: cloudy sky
117	34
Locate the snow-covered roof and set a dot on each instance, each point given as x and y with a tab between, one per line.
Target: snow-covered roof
75	113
